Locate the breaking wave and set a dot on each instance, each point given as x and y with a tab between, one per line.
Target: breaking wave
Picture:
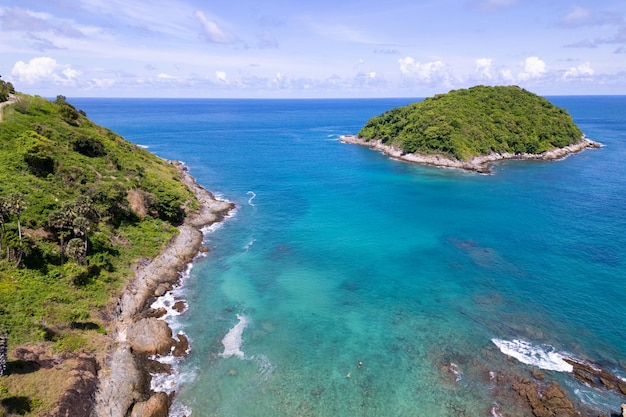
541	356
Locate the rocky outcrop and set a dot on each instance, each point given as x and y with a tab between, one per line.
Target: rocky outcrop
547	400
480	164
594	375
123	385
156	406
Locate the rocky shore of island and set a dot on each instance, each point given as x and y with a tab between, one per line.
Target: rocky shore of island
481	164
124	380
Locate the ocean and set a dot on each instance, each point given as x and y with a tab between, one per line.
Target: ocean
351	284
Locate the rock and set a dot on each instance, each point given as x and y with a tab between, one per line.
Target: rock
150	336
122	386
161	290
158	313
538	375
157	406
179	306
594	375
181	346
545	401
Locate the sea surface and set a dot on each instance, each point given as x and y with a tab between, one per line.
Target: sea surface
351	284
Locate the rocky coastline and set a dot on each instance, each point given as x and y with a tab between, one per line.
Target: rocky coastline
124	380
480	164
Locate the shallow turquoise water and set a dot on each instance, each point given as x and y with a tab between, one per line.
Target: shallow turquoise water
344	255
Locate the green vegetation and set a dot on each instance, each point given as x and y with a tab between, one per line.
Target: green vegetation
476	121
5	89
79	205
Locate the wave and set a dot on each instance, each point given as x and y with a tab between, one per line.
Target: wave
251	198
249	244
541	356
234	338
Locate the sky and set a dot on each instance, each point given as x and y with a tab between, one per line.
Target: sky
310	49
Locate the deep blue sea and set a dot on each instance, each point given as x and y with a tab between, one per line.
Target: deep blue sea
430	278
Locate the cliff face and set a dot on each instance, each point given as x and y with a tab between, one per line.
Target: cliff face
478	121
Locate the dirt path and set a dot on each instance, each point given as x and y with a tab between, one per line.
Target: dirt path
12	99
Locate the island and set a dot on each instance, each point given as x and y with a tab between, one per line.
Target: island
93	229
471	128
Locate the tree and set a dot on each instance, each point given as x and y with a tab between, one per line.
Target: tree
17	204
76	250
60	223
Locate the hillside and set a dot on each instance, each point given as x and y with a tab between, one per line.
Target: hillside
478	121
79	207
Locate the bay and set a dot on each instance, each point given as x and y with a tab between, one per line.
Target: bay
339	255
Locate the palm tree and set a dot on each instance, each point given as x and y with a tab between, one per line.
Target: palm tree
76	250
17	204
60	222
81	227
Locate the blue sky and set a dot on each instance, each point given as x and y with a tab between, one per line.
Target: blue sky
321	48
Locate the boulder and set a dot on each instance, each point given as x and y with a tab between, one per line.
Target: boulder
157	406
150	336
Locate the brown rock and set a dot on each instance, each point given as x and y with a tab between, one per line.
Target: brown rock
157	406
161	290
538	375
545	401
179	306
181	346
150	336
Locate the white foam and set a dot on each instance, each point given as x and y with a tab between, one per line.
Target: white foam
234	338
251	198
249	244
541	356
265	366
495	410
180	410
454	368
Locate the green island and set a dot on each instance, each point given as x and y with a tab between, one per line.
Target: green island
469	128
82	210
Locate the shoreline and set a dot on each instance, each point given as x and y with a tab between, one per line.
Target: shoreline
480	164
124	380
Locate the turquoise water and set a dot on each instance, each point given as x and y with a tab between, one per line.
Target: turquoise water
339	255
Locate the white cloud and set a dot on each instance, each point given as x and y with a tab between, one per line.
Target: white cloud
44	69
422	72
577	16
533	68
221	76
372	74
483	66
164	76
213	32
581	71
